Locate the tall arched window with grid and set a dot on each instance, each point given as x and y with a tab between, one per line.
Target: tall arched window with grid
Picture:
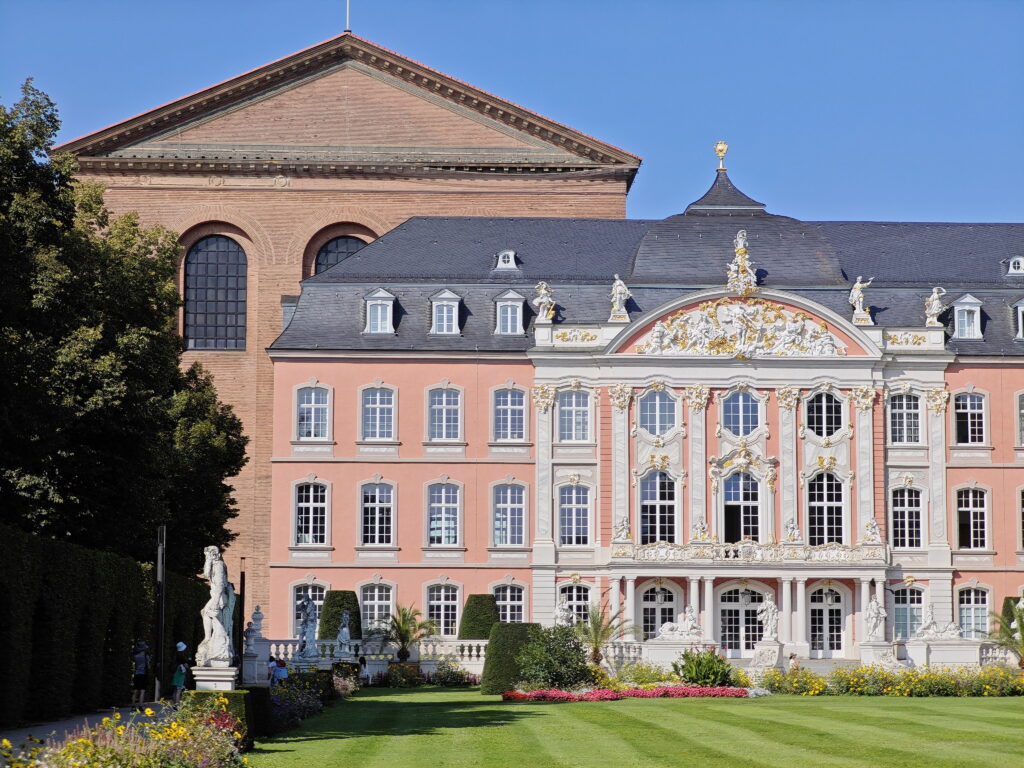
215	294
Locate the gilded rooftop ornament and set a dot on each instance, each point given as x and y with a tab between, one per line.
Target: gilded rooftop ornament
720	149
742	277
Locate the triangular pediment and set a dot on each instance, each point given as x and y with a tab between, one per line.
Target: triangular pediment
347	102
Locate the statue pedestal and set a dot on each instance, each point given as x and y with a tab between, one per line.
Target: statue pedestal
880	654
862	318
618	317
664	650
767	655
215	678
945	652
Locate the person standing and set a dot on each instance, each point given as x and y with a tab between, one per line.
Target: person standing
181	664
141	664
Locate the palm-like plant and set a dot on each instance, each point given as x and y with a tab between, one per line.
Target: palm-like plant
1009	631
599	629
406	628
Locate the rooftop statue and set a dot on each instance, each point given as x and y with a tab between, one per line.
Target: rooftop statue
933	307
619	295
544	302
860	315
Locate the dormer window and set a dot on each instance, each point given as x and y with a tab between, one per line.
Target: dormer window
509	314
445	312
1016	266
1018	313
507	260
967	318
380	312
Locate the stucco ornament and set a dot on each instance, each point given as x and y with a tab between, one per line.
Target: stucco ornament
872	534
937	399
788	397
699	530
792	531
543	397
215	648
697	396
860	315
768	615
755	553
741	276
876	619
619	295
933	630
687	629
621	530
544	302
933	307
864	398
620	395
740	328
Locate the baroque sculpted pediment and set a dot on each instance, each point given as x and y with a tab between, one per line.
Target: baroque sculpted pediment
741	328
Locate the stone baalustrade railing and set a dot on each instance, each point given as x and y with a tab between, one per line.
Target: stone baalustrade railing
470	654
751	552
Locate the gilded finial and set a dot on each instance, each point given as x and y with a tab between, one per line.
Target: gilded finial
720	149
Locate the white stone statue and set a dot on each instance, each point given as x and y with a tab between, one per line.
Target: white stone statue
741	276
659	336
933	307
622	529
740	241
620	293
792	530
1013	624
307	629
564	616
857	297
875	615
872	534
249	635
932	630
822	342
768	615
215	648
690	625
544	302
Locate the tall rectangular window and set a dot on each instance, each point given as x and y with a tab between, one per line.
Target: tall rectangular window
742	508
906	517
509	414
573	416
573	515
969	412
310	513
657	508
378	317
377	514
510	318
657	412
509	511
973	613
444	414
443	608
311	419
376	606
445	317
824	414
1020	419
443	515
907	620
970	510
378	414
824	510
904	419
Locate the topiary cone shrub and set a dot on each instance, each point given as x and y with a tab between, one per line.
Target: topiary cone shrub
479	615
501	668
336	601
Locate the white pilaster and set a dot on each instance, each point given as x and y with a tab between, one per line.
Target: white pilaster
698	470
787	464
693	593
800	626
614	587
786	603
937	531
620	470
710	615
865	598
865	468
631	604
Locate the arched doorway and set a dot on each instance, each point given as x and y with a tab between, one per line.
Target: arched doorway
657	606
739	627
827	617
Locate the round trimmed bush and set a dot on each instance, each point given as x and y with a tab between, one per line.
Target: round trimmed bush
501	667
479	615
336	601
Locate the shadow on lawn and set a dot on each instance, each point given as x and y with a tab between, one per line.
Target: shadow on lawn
363	717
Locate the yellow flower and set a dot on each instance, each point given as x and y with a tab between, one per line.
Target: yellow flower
6	744
148	712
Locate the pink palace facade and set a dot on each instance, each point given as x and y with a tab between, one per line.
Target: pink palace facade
719	435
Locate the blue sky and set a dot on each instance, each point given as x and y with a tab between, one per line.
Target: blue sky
899	110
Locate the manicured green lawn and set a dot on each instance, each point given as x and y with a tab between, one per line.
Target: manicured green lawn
403	729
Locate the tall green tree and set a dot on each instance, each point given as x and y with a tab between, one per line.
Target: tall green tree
102	435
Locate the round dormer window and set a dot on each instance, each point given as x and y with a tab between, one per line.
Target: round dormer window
1016	266
507	259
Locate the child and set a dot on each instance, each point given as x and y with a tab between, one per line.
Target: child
794	665
180	671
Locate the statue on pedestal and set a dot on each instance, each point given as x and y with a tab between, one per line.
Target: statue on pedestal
344	638
933	307
768	615
215	649
620	293
544	302
860	315
307	629
875	616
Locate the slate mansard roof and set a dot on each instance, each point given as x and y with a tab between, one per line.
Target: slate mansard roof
660	261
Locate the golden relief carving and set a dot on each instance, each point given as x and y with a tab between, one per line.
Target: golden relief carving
620	395
936	399
903	339
575	335
697	396
864	398
788	397
544	397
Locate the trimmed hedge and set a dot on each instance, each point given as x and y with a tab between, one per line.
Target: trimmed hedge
239	705
71	616
501	667
336	601
479	615
259	706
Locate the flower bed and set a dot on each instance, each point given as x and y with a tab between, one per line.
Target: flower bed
605	694
917	681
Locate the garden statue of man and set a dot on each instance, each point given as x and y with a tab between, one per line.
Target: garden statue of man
876	619
620	293
768	615
857	295
690	626
215	649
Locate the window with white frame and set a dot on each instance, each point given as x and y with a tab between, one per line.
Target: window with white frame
824	510
906	517
510	602
824	414
378	414
973	613
904	419
443	514
311	513
379	312
506	260
657	508
740	413
742	508
1018	314
377	514
657	412
445	313
312	414
444	407
316	594
1020	419
577	597
509	415
969	418
657	606
967	318
509	515
574	515
1016	266
510	318
443	608
376	607
970	516
573	416
908	604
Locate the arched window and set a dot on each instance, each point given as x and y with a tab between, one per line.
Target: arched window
973	613
970	512
824	510
906	517
739	413
443	607
908	603
215	294
443	515
657	508
824	414
310	513
510	603
509	514
657	606
577	597
312	414
376	606
335	251
905	419
316	594
742	508
657	413
574	515
377	515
